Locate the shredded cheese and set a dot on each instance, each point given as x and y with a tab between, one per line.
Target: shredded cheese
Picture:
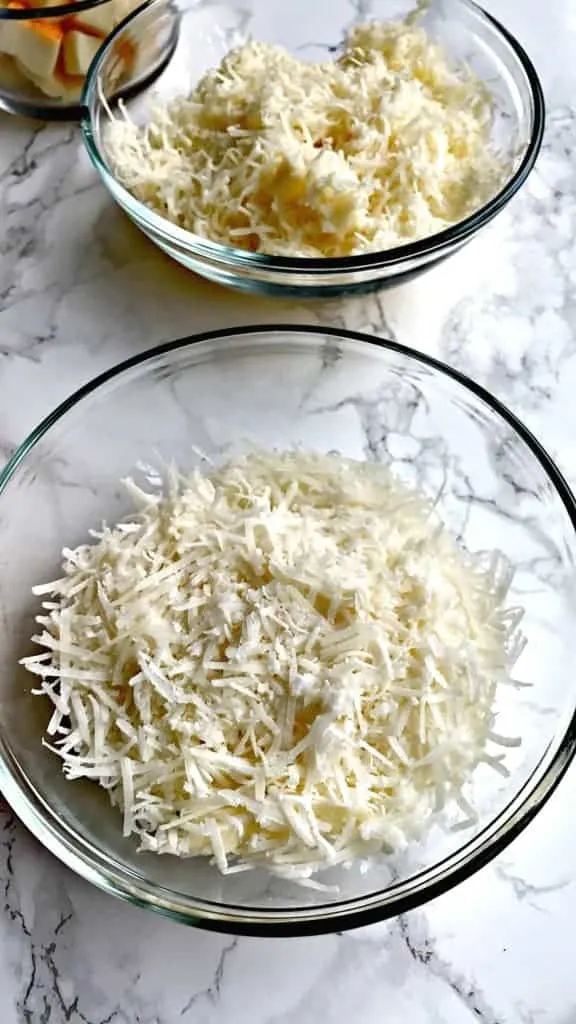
387	144
287	663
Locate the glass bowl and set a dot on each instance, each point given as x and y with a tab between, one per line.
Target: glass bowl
313	32
325	390
46	49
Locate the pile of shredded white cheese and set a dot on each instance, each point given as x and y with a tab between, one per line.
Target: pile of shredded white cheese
387	144
287	663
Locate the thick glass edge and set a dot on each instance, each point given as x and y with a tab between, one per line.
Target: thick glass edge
352	913
55	11
451	236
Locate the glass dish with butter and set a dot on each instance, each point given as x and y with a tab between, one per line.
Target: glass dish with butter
46	50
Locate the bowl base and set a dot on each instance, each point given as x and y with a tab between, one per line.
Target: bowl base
281	289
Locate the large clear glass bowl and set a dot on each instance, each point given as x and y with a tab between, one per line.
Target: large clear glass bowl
324	390
313	31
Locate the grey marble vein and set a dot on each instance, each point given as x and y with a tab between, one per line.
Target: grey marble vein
415	933
211	993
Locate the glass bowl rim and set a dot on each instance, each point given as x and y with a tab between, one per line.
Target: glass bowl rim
89	862
243	259
57	10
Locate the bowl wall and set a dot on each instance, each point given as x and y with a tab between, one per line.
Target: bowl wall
314	32
283	387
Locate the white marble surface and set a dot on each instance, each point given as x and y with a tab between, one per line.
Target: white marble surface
80	290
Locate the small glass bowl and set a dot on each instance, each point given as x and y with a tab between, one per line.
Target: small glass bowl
324	390
314	32
46	49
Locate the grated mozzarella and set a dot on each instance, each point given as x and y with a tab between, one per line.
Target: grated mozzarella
387	144
289	663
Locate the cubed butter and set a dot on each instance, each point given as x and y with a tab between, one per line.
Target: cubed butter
8	37
98	20
36	44
55	54
79	49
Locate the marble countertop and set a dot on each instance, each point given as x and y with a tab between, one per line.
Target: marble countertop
80	289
